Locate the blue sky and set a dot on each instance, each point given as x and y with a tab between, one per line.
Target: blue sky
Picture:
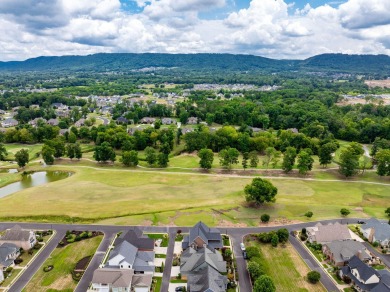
279	29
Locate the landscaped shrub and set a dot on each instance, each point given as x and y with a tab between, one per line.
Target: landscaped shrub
18	261
48	268
37	246
252	251
303	237
313	277
346	279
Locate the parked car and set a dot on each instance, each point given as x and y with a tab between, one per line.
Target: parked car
242	246
244	255
180	288
361	222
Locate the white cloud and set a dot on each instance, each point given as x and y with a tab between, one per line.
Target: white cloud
31	28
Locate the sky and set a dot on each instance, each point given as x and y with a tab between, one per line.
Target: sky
282	29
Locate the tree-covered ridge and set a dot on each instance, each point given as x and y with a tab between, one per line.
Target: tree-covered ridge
125	62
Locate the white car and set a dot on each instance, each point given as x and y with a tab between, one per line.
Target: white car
242	246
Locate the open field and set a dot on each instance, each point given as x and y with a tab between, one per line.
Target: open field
63	259
378	83
286	268
126	196
33	150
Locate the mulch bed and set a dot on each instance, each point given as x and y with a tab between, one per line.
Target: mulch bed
77	233
82	264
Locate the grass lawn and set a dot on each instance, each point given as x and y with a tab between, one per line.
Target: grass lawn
162	236
286	268
9	280
33	150
63	260
157	285
160	256
114	195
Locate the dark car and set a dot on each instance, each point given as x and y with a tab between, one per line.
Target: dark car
245	255
361	222
180	288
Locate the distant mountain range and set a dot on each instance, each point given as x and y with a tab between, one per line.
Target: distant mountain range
195	62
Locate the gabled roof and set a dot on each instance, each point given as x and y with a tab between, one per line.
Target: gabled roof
116	277
5	250
382	230
384	284
343	250
211	236
192	260
136	238
206	279
16	233
142	280
365	271
331	232
125	250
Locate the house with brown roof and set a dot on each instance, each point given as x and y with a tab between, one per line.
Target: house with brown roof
53	122
147	120
328	233
22	238
113	280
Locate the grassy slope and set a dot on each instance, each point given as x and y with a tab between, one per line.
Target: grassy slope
32	149
182	199
287	269
63	260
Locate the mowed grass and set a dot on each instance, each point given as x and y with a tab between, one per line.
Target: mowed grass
119	196
287	269
33	150
63	259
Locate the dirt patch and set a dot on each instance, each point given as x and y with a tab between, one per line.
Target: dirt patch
225	223
82	264
147	223
378	83
280	222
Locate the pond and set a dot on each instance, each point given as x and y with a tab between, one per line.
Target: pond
33	180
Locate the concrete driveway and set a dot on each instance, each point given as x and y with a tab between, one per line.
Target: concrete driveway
172	286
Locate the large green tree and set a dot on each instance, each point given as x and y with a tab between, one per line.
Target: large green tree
3	152
130	158
382	158
47	154
206	158
104	152
228	157
22	157
151	156
260	191
264	284
305	161
349	162
289	159
325	153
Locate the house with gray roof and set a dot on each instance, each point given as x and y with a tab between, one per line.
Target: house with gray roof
168	121
202	236
8	254
194	260
376	231
339	252
22	238
206	279
127	256
53	122
10	122
136	237
364	277
328	233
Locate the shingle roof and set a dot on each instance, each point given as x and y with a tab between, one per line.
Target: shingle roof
5	250
142	280
211	236
126	250
332	232
344	250
384	284
365	271
382	230
192	260
16	233
206	279
116	277
136	238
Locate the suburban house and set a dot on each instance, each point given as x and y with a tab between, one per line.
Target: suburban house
194	260
364	277
328	233
35	121
119	280
8	253
135	237
376	231
1	275
80	123
9	123
147	120
192	121
202	236
21	238
122	120
59	106
206	279
53	122
339	252
127	256
168	121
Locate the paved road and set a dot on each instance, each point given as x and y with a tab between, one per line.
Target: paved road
313	264
95	262
236	235
37	263
168	261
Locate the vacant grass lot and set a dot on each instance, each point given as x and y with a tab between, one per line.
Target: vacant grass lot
63	259
32	149
125	196
287	269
